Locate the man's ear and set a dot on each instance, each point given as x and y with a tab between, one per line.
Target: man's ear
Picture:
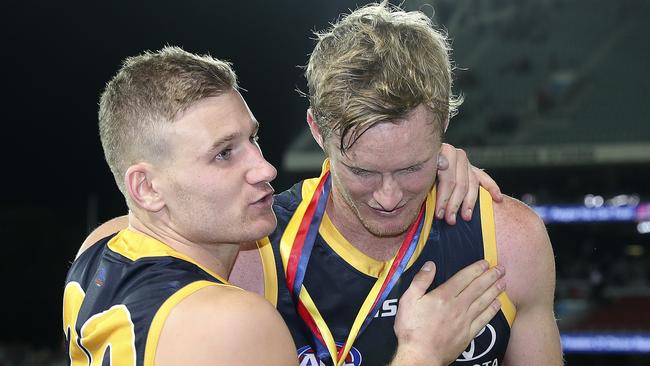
142	191
315	131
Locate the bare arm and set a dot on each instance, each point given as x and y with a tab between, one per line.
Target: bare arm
224	326
458	182
109	227
525	249
434	328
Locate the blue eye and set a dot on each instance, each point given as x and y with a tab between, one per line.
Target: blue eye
224	155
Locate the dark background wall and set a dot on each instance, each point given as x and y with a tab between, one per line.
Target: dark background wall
57	57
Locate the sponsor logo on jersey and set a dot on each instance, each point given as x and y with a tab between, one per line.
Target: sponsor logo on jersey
307	357
480	345
388	309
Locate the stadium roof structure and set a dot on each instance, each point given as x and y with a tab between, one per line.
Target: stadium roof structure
545	83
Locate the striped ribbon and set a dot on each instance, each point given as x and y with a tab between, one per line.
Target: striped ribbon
296	249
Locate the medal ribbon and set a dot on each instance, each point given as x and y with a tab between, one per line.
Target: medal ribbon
295	255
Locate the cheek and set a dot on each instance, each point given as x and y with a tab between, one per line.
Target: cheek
209	195
357	187
419	182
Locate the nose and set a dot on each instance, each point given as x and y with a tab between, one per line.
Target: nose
389	194
260	171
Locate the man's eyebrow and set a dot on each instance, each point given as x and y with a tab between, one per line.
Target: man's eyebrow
351	166
222	141
414	165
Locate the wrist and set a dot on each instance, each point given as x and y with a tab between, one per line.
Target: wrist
411	356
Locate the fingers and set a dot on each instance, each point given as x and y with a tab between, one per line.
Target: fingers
484	318
482	291
463	278
421	281
488	183
470	198
446	179
460	188
483	282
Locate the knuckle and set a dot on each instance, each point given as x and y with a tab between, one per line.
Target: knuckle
464	186
441	301
494	274
477	270
405	300
496	305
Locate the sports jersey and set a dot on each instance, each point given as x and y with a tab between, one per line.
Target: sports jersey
339	281
118	294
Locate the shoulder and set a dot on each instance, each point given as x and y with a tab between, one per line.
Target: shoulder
520	231
288	200
513	217
108	228
525	250
218	324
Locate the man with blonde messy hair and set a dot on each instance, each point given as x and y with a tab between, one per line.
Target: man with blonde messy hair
376	65
349	242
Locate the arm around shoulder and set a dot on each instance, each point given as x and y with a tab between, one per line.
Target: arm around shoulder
221	325
524	248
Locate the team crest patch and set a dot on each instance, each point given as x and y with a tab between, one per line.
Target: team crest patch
307	357
101	277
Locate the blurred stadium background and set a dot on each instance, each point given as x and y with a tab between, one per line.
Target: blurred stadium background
556	109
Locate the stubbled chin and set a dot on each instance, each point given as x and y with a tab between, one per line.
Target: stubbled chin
262	225
384	228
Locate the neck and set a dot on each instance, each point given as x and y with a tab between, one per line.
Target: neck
216	257
349	225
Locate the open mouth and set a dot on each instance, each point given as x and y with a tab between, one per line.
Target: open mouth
265	201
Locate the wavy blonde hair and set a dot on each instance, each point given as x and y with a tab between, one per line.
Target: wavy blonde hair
376	65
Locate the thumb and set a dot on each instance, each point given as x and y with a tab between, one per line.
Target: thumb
422	280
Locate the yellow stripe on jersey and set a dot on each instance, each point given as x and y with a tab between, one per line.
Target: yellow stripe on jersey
135	245
342	247
269	271
356	258
490	249
359	260
163	312
428	223
293	225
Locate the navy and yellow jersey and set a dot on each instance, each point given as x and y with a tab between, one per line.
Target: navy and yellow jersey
339	277
118	294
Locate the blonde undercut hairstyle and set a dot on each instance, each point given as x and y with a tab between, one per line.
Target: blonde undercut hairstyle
375	65
147	95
